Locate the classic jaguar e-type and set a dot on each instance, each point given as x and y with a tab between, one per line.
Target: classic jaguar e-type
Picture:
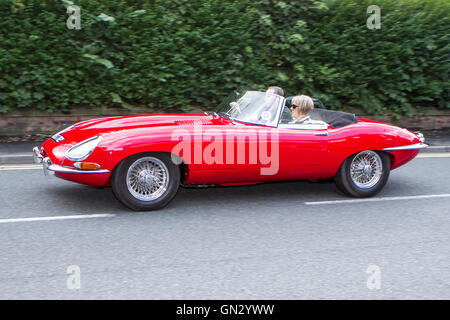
249	139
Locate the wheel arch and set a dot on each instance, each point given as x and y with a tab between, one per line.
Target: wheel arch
346	184
179	161
391	157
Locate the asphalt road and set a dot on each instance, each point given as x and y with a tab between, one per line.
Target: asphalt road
271	241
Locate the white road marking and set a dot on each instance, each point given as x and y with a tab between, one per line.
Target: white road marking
83	216
437	147
21	167
425	196
17	155
433	155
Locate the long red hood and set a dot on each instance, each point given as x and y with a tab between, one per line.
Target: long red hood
140	121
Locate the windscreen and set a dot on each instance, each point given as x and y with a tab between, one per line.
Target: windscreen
252	107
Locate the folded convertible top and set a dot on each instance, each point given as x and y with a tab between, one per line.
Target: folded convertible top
336	119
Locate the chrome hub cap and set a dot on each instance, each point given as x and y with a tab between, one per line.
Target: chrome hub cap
147	179
366	169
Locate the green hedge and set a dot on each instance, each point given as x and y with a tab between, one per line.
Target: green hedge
180	54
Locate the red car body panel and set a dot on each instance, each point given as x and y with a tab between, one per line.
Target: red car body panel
303	154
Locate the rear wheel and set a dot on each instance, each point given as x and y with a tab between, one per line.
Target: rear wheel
146	181
363	174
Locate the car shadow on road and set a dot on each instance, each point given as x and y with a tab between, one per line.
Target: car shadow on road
85	199
266	194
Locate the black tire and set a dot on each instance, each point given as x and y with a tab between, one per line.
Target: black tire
123	193
347	185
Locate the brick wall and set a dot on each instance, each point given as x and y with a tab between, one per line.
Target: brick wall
17	125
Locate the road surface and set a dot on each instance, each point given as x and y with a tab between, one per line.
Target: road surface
294	240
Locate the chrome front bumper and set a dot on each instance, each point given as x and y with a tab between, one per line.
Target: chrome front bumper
415	146
49	167
37	157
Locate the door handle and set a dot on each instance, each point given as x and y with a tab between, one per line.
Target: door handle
322	133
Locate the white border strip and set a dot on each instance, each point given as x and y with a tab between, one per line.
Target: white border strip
427	196
85	216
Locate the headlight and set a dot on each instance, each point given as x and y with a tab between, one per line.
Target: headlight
82	150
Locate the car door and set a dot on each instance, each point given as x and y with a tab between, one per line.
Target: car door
283	152
303	151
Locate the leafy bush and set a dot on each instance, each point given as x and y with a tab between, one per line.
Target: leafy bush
180	54
392	69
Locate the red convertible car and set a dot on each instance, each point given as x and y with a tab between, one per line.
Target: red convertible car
249	139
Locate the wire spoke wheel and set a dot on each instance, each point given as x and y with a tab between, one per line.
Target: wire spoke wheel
366	169
147	179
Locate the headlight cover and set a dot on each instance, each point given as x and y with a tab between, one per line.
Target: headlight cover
83	149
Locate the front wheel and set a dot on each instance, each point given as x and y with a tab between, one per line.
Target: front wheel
363	174
146	182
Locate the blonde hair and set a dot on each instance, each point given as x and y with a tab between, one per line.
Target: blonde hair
304	104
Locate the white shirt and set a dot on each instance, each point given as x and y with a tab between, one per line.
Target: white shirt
307	120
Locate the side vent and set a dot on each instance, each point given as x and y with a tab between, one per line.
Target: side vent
192	122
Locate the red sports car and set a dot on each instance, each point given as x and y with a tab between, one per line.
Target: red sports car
251	138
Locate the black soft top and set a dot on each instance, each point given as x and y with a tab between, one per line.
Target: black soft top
336	119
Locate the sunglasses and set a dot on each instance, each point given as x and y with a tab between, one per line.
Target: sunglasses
293	106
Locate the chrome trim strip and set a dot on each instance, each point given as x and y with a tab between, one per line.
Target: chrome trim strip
57	168
408	147
305	126
49	166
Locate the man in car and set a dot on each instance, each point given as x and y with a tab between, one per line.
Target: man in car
275	90
271	105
